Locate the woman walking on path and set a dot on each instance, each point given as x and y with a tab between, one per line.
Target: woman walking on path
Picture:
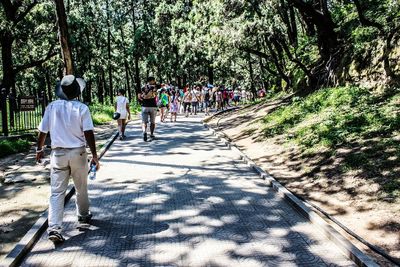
218	98
195	100
174	106
207	101
187	100
163	103
122	107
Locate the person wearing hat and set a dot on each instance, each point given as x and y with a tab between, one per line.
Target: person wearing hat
71	127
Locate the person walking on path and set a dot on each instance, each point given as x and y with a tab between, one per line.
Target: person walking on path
218	99
244	96
163	104
236	96
147	98
71	128
122	107
225	98
207	100
195	100
187	100
174	106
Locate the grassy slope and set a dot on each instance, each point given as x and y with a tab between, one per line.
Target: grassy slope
351	118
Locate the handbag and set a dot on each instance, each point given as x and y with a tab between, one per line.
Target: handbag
116	115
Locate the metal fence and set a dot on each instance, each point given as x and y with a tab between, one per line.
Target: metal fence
20	114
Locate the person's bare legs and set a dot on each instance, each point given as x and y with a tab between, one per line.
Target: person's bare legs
120	128
123	126
162	114
152	128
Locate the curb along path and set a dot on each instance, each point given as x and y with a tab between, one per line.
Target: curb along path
19	212
184	199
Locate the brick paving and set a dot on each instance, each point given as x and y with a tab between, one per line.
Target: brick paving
184	200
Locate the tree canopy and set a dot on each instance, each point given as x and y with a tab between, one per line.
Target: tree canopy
297	45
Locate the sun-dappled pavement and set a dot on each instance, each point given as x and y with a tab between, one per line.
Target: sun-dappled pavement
184	199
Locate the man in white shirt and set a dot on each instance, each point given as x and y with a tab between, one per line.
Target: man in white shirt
71	127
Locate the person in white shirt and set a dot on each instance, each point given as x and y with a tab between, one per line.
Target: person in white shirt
195	100
244	96
122	107
71	127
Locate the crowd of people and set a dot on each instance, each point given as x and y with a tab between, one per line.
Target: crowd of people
71	127
190	100
170	100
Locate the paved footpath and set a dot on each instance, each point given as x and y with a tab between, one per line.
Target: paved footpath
184	199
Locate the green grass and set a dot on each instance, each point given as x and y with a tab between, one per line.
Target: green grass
8	147
335	116
365	123
102	114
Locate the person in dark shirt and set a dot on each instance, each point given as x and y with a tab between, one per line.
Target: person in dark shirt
147	98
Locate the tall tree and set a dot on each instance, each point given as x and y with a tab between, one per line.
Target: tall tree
64	37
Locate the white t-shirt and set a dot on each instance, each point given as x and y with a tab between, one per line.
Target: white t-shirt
66	121
195	96
121	106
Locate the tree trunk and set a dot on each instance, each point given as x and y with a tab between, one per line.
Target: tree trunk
136	53
253	89
63	37
128	83
110	79
327	37
210	74
278	66
100	92
6	41
48	84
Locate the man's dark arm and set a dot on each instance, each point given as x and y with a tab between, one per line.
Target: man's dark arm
40	144
89	136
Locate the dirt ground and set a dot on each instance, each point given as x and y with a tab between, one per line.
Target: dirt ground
24	191
349	198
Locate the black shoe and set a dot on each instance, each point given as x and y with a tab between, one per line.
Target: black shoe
85	219
145	137
152	137
56	237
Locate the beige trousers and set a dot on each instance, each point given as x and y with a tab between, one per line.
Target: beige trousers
66	163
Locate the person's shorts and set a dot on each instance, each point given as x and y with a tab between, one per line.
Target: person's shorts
149	112
124	115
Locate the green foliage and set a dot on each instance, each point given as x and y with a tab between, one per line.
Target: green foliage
8	147
187	41
360	125
102	114
332	117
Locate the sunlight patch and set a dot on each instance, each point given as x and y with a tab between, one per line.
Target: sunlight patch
151	199
176	214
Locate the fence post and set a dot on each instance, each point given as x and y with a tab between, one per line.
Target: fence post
4	122
43	102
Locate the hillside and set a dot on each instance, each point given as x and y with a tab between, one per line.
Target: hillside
337	148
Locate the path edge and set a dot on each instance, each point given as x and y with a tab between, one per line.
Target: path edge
349	249
22	248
